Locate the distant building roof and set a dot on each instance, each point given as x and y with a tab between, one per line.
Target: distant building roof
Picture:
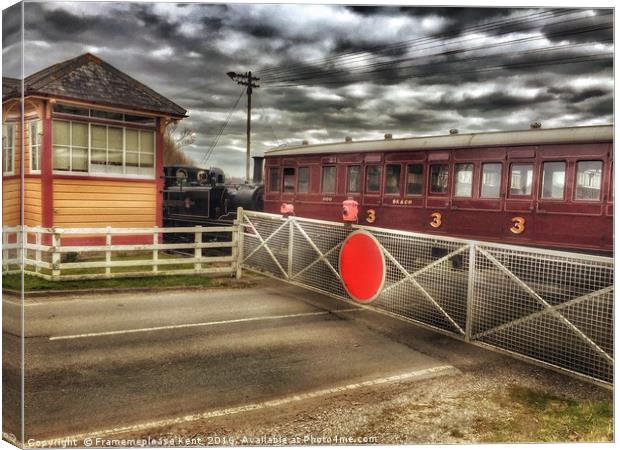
88	78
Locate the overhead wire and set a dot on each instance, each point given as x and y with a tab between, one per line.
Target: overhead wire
208	153
505	24
577	59
260	105
363	54
480	27
376	68
320	73
357	65
352	75
390	64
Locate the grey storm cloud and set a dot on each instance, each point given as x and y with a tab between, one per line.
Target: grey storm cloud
330	71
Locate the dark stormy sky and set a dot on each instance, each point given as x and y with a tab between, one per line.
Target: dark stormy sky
330	71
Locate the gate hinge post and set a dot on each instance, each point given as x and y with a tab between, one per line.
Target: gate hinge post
239	241
471	274
291	237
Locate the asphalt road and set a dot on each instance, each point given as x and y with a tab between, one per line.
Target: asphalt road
104	362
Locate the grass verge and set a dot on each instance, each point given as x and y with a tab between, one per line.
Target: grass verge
32	283
538	416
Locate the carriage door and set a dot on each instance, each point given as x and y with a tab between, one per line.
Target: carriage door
518	224
609	199
370	213
477	201
570	197
609	186
438	197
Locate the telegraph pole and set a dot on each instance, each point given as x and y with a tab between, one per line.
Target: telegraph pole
246	79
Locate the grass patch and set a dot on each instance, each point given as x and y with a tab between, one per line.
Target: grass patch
543	417
120	256
134	256
32	283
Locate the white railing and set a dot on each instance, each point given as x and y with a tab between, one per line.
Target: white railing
54	254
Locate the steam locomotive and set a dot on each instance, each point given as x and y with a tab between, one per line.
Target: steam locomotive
195	196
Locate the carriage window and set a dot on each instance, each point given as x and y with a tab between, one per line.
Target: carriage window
553	180
415	179
439	179
353	179
588	182
288	174
491	180
274	179
373	178
521	179
303	183
463	180
392	179
329	179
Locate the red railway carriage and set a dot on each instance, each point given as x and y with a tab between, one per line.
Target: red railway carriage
541	187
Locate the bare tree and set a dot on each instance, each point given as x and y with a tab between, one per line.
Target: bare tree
174	141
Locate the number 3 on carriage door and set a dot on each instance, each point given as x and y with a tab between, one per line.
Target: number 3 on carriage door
371	216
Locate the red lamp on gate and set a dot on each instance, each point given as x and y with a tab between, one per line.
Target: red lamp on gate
349	211
287	209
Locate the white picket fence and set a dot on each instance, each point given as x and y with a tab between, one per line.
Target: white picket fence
49	253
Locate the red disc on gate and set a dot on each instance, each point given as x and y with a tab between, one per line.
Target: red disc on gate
362	266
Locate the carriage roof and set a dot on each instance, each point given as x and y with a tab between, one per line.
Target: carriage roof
572	135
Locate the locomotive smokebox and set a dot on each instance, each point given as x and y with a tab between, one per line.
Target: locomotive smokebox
257	177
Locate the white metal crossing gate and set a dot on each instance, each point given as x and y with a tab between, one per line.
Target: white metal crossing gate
550	307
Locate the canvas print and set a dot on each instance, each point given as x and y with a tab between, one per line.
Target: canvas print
229	224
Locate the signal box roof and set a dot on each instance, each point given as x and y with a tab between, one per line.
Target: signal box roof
89	78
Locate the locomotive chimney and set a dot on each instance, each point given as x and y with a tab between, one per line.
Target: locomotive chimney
257	177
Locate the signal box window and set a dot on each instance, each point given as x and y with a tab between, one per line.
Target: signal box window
274	179
288	173
588	182
392	179
354	179
35	133
491	180
439	178
521	176
70	146
8	148
303	182
329	179
463	180
553	180
373	179
415	179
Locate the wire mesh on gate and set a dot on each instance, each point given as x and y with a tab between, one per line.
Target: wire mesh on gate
556	309
553	307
